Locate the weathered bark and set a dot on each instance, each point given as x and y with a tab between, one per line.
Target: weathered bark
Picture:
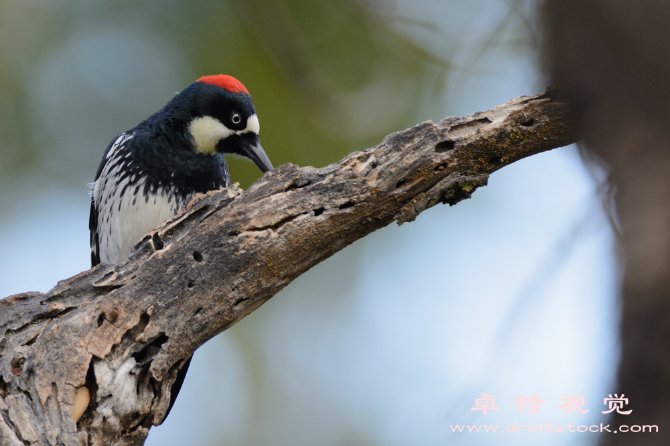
124	331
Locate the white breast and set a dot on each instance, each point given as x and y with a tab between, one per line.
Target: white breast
125	213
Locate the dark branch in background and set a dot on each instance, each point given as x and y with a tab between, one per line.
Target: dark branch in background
611	60
124	331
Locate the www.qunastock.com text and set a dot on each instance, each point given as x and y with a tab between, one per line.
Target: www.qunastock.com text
546	427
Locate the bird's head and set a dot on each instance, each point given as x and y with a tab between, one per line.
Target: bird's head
222	119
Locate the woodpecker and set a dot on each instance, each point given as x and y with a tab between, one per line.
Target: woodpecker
149	173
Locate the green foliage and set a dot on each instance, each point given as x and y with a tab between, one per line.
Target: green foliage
327	77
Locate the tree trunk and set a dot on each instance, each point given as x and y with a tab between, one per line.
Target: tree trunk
611	60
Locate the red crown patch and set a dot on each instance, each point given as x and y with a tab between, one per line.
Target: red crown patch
224	81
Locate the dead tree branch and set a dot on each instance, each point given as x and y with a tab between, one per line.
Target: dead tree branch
122	332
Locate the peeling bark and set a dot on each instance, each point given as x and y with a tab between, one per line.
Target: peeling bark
124	331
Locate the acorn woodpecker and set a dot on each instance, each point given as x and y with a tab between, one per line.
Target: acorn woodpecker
149	173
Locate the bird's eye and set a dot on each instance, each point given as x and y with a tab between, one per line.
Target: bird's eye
235	117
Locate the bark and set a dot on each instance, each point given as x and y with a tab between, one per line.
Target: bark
122	332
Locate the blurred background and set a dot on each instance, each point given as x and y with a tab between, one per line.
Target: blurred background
390	341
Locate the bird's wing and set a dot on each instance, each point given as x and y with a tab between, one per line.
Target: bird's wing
93	227
93	216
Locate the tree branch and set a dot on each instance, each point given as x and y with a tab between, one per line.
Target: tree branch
124	331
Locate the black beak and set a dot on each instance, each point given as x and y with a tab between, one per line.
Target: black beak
255	153
246	145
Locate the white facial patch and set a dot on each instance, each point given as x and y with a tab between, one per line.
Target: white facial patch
207	132
252	125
